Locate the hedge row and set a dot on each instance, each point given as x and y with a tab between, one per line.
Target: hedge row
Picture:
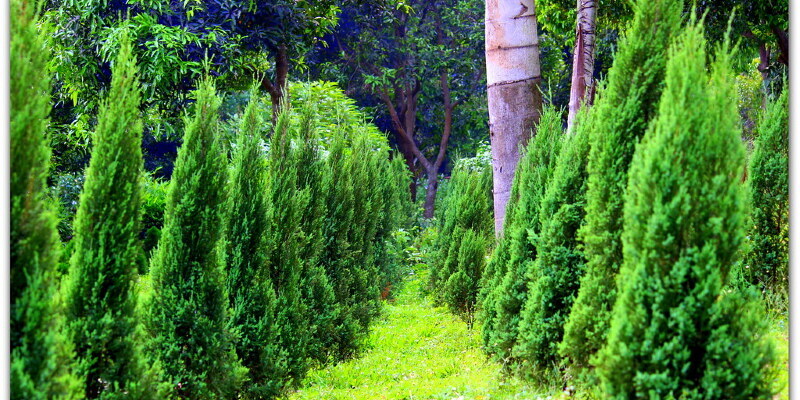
267	263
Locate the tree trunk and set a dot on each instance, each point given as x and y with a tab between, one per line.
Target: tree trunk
515	102
430	194
277	89
783	44
583	59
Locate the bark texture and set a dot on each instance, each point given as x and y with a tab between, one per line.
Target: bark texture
515	102
277	89
583	59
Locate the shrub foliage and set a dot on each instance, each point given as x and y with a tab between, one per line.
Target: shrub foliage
516	250
674	332
623	110
41	354
188	311
464	237
100	291
769	182
559	263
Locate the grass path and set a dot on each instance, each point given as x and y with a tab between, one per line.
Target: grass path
417	351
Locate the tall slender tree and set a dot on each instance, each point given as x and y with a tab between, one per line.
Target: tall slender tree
188	311
624	109
250	290
100	291
41	354
512	83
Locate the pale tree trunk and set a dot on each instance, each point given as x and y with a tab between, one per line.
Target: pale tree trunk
583	59
512	84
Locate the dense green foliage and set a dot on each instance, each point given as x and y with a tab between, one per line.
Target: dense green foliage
559	263
465	235
767	261
100	292
252	296
674	331
622	112
306	305
40	365
188	311
516	251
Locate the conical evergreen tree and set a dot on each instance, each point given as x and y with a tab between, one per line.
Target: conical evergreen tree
298	204
100	291
355	202
306	159
188	312
252	296
285	263
41	354
465	233
768	258
673	332
556	272
624	109
522	229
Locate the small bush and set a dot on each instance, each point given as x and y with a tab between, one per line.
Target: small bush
768	258
465	232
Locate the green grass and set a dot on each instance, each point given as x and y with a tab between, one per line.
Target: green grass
780	332
419	351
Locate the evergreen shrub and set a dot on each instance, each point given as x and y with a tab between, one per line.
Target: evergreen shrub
675	333
464	237
100	294
41	365
555	274
188	311
522	230
624	109
768	258
250	290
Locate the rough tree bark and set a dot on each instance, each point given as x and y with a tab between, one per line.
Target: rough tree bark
583	59
783	44
512	78
277	89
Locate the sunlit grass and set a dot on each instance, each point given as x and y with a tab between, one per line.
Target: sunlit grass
418	351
